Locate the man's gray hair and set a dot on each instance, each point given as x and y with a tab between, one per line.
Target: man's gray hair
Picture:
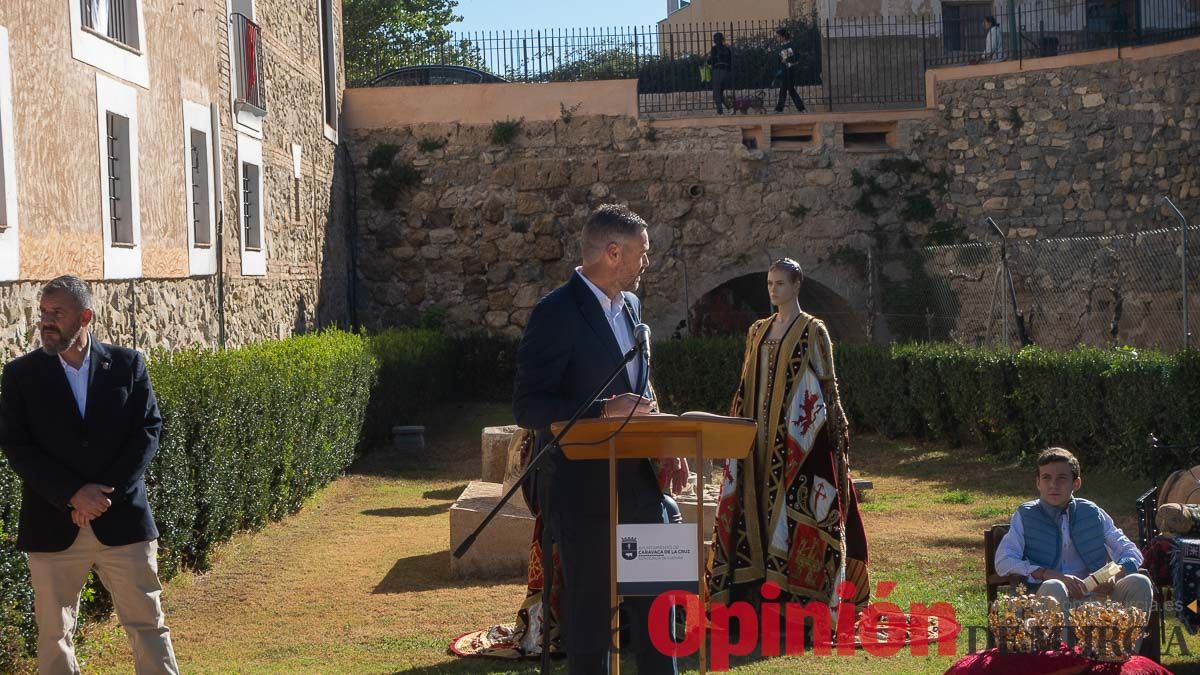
71	285
608	224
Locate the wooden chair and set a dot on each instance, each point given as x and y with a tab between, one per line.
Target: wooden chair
994	581
1151	646
991	540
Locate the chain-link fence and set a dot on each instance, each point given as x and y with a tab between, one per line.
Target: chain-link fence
1103	291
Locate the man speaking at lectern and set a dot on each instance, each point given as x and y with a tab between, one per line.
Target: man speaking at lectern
575	337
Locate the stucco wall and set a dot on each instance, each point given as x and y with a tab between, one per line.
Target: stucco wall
382	107
713	11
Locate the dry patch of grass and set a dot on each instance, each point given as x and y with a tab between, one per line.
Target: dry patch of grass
358	582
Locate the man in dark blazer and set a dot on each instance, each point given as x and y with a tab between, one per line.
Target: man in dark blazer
79	424
575	337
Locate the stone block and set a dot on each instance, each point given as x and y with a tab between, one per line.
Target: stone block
495	452
408	438
687	506
502	550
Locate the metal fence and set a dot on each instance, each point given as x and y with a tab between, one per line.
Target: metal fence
842	62
1104	291
1061	28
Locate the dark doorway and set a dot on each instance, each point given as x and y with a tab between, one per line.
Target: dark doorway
730	308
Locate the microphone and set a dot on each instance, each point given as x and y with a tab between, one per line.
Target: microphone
641	341
641	338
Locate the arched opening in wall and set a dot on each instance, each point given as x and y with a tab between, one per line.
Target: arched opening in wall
730	308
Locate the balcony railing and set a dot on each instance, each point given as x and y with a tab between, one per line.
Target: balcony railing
842	63
247	50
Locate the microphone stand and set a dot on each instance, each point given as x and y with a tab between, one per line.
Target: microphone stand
545	470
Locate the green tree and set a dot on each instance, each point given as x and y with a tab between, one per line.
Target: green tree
384	34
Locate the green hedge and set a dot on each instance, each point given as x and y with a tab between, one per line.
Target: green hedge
421	369
1102	404
248	434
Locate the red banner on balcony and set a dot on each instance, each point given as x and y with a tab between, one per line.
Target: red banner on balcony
251	58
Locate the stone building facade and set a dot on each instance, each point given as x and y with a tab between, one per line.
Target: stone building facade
1064	147
182	156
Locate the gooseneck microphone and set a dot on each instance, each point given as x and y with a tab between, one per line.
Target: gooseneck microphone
641	338
641	342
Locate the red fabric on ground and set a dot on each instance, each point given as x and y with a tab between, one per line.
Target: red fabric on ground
1060	662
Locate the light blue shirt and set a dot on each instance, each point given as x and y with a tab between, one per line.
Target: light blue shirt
78	379
614	312
1010	554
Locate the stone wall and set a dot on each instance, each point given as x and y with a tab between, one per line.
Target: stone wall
489	229
172	313
1070	151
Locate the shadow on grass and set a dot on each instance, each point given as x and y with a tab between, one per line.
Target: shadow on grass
428	572
452	445
485	665
450	493
983	474
531	665
408	511
958	542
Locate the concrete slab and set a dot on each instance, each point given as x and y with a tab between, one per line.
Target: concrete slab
503	548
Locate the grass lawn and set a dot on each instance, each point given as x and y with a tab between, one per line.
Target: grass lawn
359	580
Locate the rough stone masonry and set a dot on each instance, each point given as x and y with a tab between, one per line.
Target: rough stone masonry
490	228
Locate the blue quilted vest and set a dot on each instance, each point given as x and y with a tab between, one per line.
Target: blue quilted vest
1043	538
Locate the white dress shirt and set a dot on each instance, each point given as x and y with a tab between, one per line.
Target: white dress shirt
614	312
1010	554
78	379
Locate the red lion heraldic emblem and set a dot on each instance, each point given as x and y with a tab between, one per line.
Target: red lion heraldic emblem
807	416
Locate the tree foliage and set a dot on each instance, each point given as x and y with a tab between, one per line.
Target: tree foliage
381	35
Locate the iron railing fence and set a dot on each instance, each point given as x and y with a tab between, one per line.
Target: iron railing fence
847	63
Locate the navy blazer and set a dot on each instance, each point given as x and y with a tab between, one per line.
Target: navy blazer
568	349
55	451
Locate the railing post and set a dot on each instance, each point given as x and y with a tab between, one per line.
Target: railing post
924	60
1137	20
525	57
637	56
1013	36
828	61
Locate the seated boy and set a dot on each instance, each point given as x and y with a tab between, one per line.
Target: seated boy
1056	541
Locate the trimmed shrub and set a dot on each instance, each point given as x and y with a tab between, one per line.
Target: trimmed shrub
421	369
697	373
874	390
1101	404
248	435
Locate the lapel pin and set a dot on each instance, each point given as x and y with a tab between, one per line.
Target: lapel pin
104	365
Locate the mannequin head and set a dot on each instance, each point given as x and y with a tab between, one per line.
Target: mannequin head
784	279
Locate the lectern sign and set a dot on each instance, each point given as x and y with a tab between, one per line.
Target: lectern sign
656	558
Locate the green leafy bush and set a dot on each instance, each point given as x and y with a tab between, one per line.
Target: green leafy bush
248	435
421	368
697	373
1101	404
505	131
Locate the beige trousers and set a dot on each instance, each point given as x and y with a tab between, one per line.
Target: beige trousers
130	573
1131	590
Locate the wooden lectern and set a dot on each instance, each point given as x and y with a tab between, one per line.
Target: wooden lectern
694	436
